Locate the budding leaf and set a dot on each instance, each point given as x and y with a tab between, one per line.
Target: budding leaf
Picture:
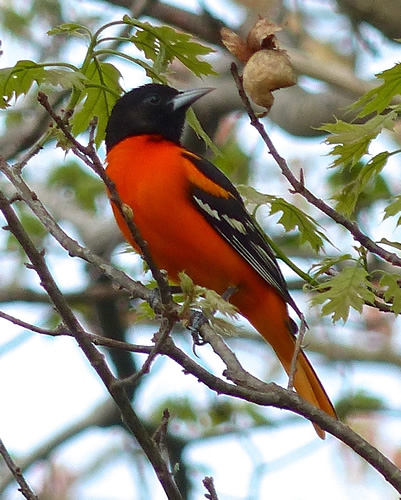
350	288
351	140
162	44
379	98
72	29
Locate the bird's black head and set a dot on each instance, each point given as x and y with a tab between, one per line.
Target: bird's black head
150	109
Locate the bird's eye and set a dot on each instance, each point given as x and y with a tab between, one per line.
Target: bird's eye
153	99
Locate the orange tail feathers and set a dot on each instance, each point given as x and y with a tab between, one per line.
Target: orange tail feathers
270	317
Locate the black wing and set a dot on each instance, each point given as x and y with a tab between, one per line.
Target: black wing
230	219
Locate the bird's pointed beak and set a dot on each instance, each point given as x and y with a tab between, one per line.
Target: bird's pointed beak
184	99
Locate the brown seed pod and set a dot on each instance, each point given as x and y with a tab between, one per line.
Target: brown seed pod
262	35
265	71
235	44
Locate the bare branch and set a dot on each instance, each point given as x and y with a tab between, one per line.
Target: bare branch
253	390
209	485
166	326
278	397
95	339
94	356
16	472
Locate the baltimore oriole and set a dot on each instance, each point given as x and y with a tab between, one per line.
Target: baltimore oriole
194	220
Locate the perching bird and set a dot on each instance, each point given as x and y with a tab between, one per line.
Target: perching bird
194	220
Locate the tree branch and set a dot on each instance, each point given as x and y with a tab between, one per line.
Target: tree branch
89	155
96	359
74	249
251	389
299	186
16	472
278	397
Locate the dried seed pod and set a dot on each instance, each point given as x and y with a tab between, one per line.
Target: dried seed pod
265	71
262	35
235	44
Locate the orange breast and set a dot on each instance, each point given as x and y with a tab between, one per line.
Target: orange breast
153	178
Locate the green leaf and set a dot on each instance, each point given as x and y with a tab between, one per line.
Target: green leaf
393	209
392	291
350	288
292	216
162	44
379	98
18	80
73	29
66	79
327	263
196	126
97	100
144	312
209	302
351	141
394	244
350	194
212	302
253	198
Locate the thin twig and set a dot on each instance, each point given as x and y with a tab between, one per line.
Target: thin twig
208	483
95	339
166	326
89	155
24	488
93	355
297	350
299	187
160	436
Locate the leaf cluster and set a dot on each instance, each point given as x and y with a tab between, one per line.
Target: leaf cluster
376	111
208	302
94	85
360	176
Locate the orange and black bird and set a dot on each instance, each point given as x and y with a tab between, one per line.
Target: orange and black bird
194	220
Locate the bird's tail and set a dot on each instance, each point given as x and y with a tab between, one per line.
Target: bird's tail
270	317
